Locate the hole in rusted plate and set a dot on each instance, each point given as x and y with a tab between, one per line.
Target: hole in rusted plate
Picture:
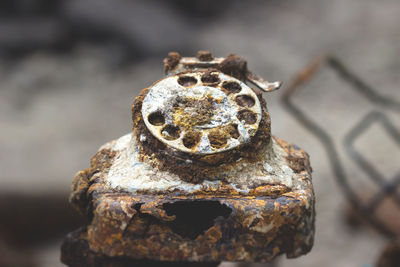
193	218
232	87
171	132
187	81
247	116
218	138
245	101
191	139
232	130
156	118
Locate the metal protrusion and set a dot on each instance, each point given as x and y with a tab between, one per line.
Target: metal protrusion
263	84
204	55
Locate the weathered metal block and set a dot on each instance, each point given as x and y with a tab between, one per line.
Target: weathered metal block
199	178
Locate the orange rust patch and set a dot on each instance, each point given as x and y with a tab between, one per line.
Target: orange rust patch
188	112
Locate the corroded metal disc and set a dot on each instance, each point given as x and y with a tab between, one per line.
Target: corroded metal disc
201	112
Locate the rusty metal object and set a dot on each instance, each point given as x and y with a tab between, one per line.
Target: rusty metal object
232	65
201	113
215	187
390	255
386	189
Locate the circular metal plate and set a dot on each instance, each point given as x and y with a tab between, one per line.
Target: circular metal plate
201	112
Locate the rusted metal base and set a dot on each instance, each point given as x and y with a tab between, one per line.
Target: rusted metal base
204	226
75	252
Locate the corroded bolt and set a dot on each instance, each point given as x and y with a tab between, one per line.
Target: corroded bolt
204	55
171	61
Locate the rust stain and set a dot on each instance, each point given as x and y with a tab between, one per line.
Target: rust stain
210	224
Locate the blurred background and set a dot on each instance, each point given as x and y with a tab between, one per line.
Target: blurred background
69	71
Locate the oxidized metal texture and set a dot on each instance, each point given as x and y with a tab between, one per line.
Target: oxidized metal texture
201	112
232	65
149	198
257	225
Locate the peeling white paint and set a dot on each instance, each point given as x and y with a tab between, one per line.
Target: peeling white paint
263	228
162	97
129	174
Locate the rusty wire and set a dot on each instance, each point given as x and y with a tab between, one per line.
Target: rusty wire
386	188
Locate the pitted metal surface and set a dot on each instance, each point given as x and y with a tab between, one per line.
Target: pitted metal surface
201	112
199	179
